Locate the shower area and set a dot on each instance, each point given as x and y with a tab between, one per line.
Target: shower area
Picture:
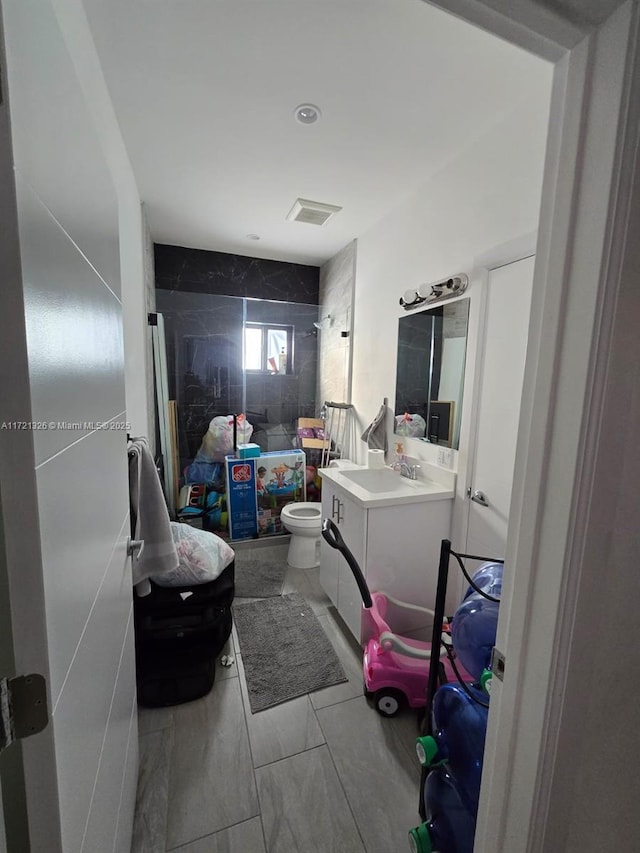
257	360
270	355
235	355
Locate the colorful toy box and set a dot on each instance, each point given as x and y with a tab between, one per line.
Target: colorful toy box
241	498
280	479
258	488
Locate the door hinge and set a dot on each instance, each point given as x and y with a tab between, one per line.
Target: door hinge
23	707
498	663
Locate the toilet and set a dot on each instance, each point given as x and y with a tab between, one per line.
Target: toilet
303	520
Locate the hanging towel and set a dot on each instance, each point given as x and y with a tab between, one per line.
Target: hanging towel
149	517
376	433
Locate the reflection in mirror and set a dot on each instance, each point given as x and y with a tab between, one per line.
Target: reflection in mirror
432	346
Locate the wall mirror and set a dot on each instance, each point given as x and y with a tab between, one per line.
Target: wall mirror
432	347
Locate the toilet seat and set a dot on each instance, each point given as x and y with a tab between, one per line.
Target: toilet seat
303	520
304	514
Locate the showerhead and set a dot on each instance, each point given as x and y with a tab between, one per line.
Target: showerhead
324	323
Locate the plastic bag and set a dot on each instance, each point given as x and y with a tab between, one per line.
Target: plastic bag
209	473
412	426
218	439
202	556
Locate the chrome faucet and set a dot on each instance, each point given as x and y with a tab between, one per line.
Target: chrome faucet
409	471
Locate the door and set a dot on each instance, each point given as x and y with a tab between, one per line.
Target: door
65	576
508	306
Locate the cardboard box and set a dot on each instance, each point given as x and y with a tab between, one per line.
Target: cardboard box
257	489
242	505
248	451
280	479
311	433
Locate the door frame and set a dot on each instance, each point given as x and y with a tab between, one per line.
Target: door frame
581	253
588	200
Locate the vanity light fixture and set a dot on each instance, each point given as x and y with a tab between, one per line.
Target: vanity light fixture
436	292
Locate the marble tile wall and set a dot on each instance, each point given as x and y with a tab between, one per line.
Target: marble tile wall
413	372
204	358
200	271
201	294
283	399
336	295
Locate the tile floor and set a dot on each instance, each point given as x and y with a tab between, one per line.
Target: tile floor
321	773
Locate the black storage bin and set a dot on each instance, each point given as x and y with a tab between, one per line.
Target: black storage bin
179	633
175	676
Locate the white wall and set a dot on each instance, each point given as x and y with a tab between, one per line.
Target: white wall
485	197
80	231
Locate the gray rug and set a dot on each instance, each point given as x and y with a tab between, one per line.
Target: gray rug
259	578
285	651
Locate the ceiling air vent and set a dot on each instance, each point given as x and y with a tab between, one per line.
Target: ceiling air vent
312	212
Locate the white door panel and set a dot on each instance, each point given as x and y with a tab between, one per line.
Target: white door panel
506	328
67	577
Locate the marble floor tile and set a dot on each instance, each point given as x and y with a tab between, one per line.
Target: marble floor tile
244	837
211	784
227	671
154	719
281	731
320	762
350	659
150	821
375	754
272	553
304	807
307	583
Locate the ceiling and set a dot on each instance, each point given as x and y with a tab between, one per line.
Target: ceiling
205	90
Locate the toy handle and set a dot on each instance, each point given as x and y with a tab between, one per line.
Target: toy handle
332	536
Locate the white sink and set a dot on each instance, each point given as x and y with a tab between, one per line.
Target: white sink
372	487
379	480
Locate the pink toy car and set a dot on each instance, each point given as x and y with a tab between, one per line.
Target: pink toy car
395	668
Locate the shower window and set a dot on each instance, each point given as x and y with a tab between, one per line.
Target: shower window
268	348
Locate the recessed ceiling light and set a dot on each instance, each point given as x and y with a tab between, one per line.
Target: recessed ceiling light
252	237
307	113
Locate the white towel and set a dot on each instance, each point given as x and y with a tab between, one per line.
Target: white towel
150	520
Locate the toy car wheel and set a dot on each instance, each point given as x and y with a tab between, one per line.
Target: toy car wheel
389	702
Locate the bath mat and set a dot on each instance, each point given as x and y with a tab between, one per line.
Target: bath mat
285	651
259	577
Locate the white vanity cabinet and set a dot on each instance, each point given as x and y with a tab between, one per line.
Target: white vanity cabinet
336	577
396	544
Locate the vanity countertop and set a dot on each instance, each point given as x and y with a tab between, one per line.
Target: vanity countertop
379	487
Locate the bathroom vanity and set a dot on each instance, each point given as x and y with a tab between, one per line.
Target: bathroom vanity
393	526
